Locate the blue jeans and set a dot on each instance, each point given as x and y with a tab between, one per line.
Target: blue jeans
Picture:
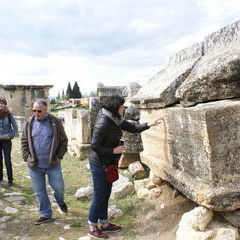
55	179
102	191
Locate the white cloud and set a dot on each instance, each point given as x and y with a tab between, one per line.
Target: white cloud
114	42
59	69
142	26
221	9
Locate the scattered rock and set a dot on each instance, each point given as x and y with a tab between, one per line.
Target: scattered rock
196	225
198	218
14	199
84	193
141	183
66	227
226	234
4	219
143	193
12	194
128	158
10	210
85	238
231	217
155	179
136	170
121	188
3	226
113	211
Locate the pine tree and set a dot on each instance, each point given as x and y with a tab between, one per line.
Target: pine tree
69	93
76	91
58	96
63	95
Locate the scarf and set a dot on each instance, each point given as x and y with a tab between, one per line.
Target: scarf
118	121
4	112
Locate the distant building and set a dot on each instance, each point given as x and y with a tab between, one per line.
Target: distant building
21	97
104	91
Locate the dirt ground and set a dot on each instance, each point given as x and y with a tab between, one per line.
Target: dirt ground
143	219
161	222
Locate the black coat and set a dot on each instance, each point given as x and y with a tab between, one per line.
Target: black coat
106	137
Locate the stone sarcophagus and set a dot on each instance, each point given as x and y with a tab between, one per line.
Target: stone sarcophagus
197	150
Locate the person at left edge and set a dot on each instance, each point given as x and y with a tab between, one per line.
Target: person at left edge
44	143
8	130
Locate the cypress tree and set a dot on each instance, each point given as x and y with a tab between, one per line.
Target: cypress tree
69	93
63	94
76	91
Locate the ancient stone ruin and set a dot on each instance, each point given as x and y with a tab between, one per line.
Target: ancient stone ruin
197	147
21	97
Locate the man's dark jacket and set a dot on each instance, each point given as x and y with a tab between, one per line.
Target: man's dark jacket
59	144
106	137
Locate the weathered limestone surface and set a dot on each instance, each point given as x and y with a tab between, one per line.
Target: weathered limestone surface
215	76
203	72
78	129
160	90
197	150
77	125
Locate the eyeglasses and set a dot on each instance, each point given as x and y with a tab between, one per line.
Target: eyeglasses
38	111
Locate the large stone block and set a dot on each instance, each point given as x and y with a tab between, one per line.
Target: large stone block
197	150
215	76
160	90
77	125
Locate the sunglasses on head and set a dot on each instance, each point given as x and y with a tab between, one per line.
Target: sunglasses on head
38	111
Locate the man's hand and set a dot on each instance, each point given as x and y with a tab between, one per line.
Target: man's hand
156	122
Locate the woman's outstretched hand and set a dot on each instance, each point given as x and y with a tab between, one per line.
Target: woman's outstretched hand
156	122
118	150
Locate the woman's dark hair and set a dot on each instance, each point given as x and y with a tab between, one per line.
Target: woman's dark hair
113	103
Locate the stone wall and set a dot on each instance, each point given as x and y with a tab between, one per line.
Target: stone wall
196	148
77	124
20	98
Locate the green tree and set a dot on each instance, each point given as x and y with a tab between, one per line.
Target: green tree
63	95
53	101
69	91
76	91
58	96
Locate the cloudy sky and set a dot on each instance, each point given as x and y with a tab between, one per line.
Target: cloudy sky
110	41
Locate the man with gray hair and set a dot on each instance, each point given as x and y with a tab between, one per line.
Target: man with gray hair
44	143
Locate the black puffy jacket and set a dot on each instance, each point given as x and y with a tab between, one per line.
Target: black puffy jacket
106	137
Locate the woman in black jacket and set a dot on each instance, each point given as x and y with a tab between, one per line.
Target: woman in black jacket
106	150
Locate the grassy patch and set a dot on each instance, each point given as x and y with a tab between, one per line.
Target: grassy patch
76	175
